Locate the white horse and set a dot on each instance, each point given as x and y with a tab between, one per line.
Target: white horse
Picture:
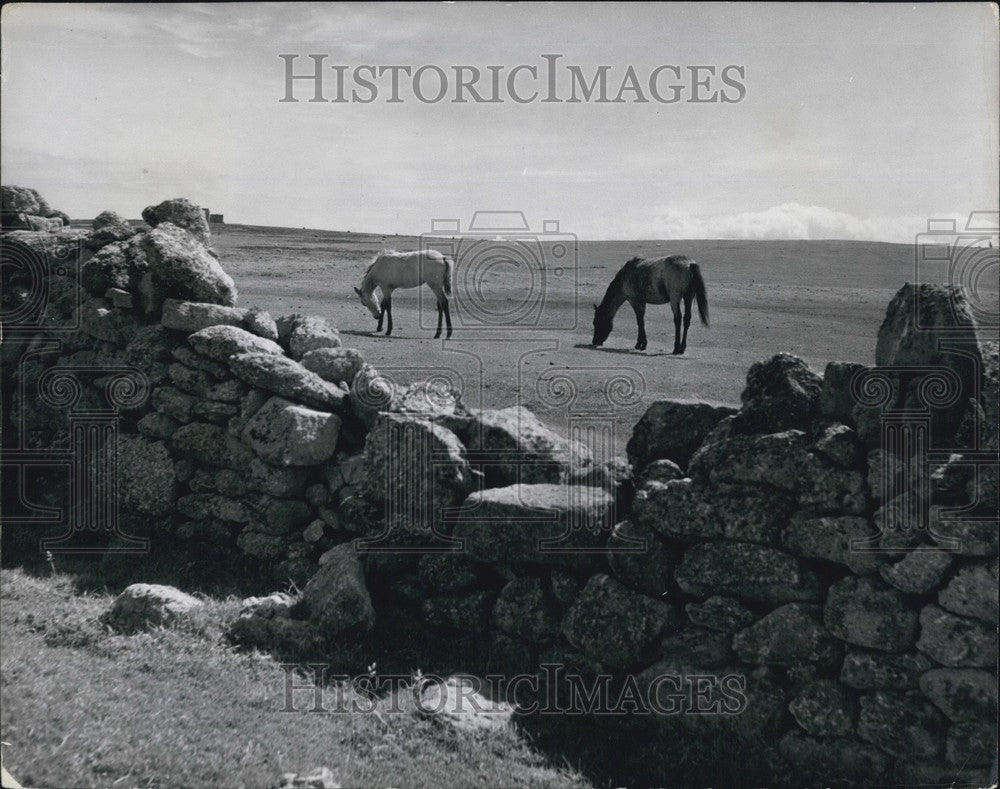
391	269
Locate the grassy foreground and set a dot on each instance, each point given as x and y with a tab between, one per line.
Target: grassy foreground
177	707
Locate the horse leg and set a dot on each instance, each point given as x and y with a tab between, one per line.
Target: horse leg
387	305
676	307
640	319
437	334
687	322
447	316
381	315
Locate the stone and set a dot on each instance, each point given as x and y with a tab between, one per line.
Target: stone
543	524
834	761
965	537
839	445
513	446
147	481
209	445
774	460
108	268
145	606
918	572
720	613
287	434
111	326
695	646
157	425
673	430
287	378
274	481
866	670
336	597
207	531
661	471
22	199
268	547
181	213
789	635
781	393
199	384
962	694
120	299
867	613
334	364
836	401
205	506
221	342
956	641
468	612
457	703
259	322
319	778
831	537
314	531
973	592
230	483
824	708
317	495
615	625
308	333
109	228
638	559
747	571
904	725
824	488
445	572
972	743
192	316
523	610
278	516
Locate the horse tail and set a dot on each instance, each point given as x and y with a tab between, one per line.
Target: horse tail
698	285
449	266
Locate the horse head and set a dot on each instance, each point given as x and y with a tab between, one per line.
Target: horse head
602	325
370	302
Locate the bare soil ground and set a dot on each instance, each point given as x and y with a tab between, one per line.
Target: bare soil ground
523	317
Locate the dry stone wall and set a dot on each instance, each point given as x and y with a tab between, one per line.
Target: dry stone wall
814	544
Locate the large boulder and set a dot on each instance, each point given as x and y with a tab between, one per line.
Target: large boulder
747	571
170	263
836	400
143	606
338	365
537	524
221	342
514	446
866	670
789	635
287	378
904	725
526	611
336	596
973	592
147	481
303	333
210	445
21	199
673	430
109	227
110	267
867	613
956	641
192	316
781	393
615	625
824	708
179	212
287	434
639	559
962	694
831	537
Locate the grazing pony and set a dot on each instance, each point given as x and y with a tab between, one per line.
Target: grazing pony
391	269
641	282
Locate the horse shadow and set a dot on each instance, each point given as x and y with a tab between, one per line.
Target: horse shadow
627	351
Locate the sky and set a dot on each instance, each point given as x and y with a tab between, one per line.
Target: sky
854	121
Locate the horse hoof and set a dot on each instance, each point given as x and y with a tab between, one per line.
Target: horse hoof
437	336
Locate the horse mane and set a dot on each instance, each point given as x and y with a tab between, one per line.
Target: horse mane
384	251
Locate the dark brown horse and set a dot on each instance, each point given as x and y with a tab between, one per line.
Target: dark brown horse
641	282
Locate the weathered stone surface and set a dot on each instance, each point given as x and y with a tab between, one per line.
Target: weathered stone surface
638	559
972	743
468	612
824	488
204	506
747	571
108	268
334	364
867	613
720	613
179	212
210	445
962	694
918	572
272	480
199	384
904	725
973	592
524	611
673	430
109	227
287	378
260	323
308	333
173	403
773	459
835	399
458	703
834	761
824	708
789	635
696	646
192	316
830	537
268	547
147	482
445	572
144	606
956	641
546	524
965	537
157	425
614	625
514	446
877	670
661	471
221	342
120	299
839	445
106	325
337	597
277	516
287	434
781	393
